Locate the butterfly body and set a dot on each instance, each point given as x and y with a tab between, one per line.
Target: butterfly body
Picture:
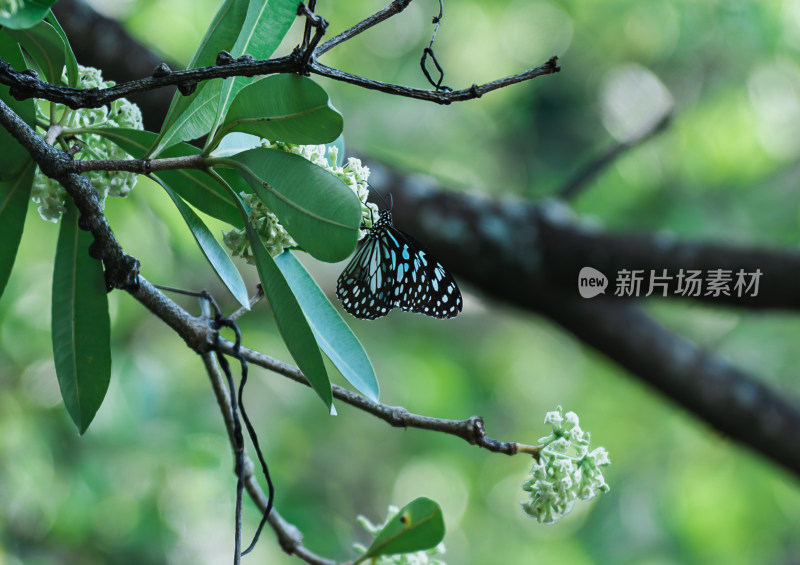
392	270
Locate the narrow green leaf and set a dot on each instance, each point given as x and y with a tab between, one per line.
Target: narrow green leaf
214	252
418	526
265	25
81	329
258	27
319	211
194	186
13	157
28	15
70	60
195	118
45	47
221	35
14	197
289	316
333	334
284	107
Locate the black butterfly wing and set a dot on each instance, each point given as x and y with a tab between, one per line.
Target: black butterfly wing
423	285
365	286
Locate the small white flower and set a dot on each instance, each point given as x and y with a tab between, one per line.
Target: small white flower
566	470
49	194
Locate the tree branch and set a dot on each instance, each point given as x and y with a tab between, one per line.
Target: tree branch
529	255
438	96
472	430
392	9
289	537
583	176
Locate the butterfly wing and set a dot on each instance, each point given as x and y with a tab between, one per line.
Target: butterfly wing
365	286
423	284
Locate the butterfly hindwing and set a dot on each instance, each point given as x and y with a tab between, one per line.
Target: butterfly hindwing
426	287
392	270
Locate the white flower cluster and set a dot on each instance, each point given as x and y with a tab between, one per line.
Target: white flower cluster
566	470
270	230
50	195
10	7
418	558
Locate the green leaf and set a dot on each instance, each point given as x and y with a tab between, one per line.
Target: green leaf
289	316
211	248
70	60
256	28
14	197
194	186
31	12
333	335
418	526
45	47
13	157
194	120
265	26
81	327
221	35
284	107
319	211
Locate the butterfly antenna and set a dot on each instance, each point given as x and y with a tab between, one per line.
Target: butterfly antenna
375	190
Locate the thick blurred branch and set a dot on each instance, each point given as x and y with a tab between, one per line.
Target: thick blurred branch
529	256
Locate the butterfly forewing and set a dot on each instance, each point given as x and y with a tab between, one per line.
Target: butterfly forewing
392	270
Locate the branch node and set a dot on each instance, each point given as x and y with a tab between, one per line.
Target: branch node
225	58
187	88
246	58
74	149
123	275
477	429
95	249
161	71
85	222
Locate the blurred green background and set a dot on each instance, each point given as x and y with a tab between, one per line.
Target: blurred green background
151	482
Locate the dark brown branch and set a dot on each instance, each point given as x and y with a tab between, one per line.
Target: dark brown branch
140	166
289	537
528	258
23	85
472	430
392	9
438	96
544	245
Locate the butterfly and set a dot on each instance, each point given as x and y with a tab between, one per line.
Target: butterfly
393	270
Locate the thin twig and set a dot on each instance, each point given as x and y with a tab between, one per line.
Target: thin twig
583	176
438	96
255	299
472	430
289	537
140	166
392	9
